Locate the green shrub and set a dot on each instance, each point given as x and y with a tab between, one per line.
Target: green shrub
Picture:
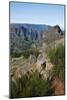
57	57
31	87
16	54
25	53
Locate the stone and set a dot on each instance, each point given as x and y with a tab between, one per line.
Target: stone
32	59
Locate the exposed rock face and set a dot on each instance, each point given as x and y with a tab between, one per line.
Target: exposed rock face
40	62
44	66
57	28
32	59
28	31
52	34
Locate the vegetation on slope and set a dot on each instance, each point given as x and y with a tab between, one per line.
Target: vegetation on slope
30	86
56	55
25	52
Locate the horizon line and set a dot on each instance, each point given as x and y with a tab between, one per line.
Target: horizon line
36	24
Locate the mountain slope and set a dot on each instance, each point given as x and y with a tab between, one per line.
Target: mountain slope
52	34
23	36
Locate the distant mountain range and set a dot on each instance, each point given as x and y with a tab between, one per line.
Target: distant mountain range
28	31
22	35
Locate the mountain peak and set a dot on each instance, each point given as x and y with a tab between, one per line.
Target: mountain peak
58	29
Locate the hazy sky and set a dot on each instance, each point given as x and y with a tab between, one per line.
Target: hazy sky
37	13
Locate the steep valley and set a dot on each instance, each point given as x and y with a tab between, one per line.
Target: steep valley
29	51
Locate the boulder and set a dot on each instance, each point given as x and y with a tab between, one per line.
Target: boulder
32	59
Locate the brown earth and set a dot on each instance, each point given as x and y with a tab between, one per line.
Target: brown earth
58	86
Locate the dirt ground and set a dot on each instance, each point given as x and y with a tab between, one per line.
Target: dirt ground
58	87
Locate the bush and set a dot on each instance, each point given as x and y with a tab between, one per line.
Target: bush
57	55
31	87
25	53
16	54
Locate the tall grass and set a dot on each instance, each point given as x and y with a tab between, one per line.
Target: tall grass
30	87
57	57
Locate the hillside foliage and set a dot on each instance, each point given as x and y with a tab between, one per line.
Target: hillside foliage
57	55
32	86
